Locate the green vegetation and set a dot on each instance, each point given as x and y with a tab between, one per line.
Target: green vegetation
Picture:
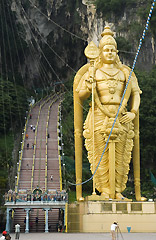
123	44
143	12
107	7
68	119
6	162
71	196
13	105
147	84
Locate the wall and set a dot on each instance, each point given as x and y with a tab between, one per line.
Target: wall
97	216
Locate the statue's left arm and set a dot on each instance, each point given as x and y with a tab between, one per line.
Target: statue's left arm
135	95
134	105
135	101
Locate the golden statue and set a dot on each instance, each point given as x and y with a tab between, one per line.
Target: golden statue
105	78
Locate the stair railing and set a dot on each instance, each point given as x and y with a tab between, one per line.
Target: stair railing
59	147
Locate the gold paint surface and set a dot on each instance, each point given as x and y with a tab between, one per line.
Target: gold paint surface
105	78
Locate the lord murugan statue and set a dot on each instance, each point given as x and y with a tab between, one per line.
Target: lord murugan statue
104	79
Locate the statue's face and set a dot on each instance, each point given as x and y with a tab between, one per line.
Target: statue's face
109	54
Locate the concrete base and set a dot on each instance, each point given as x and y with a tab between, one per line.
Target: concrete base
102	198
97	216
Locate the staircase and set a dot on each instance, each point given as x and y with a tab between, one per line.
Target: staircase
19	217
37	226
32	177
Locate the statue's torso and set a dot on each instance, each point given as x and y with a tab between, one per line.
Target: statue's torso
110	86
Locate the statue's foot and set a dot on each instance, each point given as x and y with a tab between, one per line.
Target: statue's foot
119	196
105	195
81	199
142	199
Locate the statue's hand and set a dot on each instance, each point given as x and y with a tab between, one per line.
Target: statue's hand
127	117
88	84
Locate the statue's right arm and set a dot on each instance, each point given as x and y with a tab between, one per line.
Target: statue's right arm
84	88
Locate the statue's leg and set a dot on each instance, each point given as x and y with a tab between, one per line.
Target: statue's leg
123	158
102	173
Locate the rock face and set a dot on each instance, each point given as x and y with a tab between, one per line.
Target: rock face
52	31
57	31
126	29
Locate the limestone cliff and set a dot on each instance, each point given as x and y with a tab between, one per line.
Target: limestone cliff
128	28
59	31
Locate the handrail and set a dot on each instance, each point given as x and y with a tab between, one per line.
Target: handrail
66	217
21	154
58	130
27	197
59	147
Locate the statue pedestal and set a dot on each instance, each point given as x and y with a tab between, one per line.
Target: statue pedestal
97	216
102	198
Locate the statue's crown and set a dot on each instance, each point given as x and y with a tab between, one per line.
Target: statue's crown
107	38
107	31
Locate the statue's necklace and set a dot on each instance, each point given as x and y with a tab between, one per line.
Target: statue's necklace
111	81
110	75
